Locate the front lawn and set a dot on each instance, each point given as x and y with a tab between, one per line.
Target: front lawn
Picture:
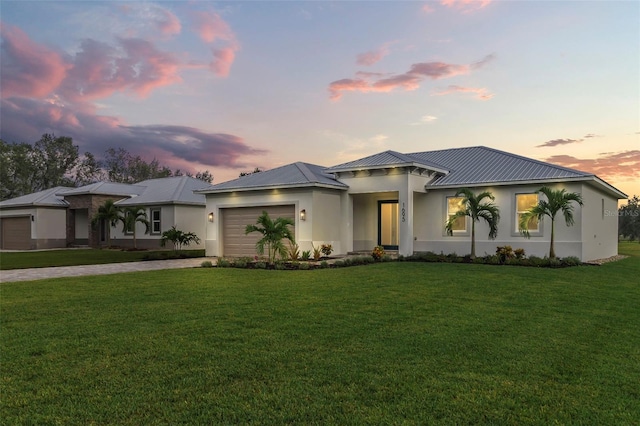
390	343
40	259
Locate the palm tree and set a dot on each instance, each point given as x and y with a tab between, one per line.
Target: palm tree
110	213
273	232
556	200
129	217
475	208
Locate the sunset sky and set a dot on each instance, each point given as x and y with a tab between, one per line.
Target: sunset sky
230	86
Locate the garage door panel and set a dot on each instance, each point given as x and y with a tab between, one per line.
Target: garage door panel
16	233
235	221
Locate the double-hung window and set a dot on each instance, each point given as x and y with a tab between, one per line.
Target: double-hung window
455	204
524	202
155	221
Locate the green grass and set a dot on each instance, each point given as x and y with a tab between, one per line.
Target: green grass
40	259
391	343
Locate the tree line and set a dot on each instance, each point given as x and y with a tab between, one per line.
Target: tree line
55	161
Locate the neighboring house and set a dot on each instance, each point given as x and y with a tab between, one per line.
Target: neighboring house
61	217
402	202
34	221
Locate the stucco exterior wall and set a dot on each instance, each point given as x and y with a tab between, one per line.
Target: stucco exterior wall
47	227
430	218
323	208
599	224
185	218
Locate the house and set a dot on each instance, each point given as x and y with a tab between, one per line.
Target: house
402	202
61	217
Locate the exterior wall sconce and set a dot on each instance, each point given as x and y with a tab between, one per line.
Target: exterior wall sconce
210	217
303	214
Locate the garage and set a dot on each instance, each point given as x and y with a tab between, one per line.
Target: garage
234	222
15	233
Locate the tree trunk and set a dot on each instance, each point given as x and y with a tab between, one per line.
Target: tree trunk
552	252
473	239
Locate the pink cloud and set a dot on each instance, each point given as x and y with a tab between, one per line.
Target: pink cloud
480	92
100	70
620	165
28	68
222	61
427	8
168	23
372	57
410	80
465	5
210	27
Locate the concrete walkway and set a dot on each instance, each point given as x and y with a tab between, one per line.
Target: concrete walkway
110	268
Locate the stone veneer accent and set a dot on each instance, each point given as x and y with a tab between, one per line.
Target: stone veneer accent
91	203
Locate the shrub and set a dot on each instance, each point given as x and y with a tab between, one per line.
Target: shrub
224	263
324	264
519	253
570	261
378	252
306	255
304	266
279	265
326	249
261	265
386	258
339	263
206	264
241	263
294	251
504	253
317	252
537	261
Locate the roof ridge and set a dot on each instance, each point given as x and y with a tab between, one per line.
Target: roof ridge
179	187
304	169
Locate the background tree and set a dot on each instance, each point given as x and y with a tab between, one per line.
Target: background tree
88	170
629	219
55	158
256	170
129	217
273	232
476	209
557	200
110	214
17	167
178	238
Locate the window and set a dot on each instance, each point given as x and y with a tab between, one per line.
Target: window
524	202
155	221
454	204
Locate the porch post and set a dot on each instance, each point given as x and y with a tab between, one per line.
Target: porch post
405	220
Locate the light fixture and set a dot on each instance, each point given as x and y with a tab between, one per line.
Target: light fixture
211	217
303	214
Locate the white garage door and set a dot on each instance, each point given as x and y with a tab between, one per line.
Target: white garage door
16	233
234	222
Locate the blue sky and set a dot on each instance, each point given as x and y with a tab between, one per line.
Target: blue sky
230	86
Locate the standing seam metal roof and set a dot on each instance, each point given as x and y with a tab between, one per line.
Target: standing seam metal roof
295	174
47	197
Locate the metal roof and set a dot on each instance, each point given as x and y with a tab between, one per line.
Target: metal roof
46	198
386	159
291	175
170	190
481	165
105	188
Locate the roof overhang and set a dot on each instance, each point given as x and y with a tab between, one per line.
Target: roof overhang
593	180
421	168
270	187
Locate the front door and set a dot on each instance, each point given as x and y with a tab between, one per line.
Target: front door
388	224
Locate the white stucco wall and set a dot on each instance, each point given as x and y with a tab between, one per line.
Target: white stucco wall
48	227
186	218
599	224
323	224
430	213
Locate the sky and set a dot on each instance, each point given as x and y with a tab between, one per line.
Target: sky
231	86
